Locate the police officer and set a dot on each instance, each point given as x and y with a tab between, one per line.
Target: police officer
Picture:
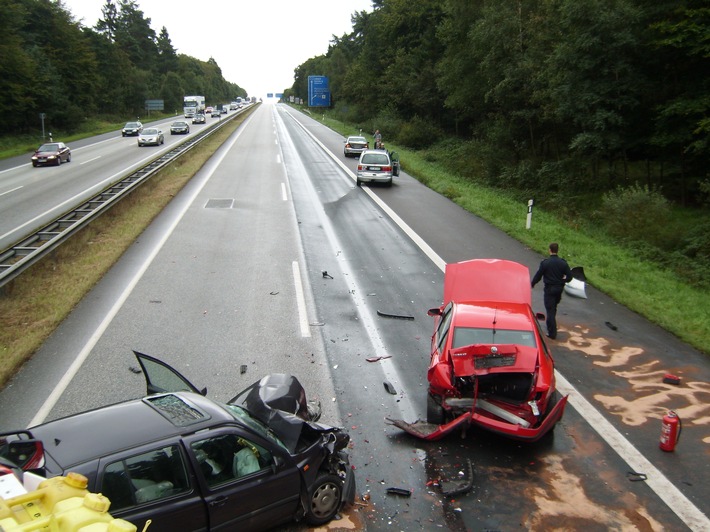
554	272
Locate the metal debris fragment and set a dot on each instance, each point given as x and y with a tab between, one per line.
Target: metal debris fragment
459	486
633	476
395	316
671	379
404	492
390	389
377	359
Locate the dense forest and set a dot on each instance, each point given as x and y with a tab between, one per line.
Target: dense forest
51	64
544	96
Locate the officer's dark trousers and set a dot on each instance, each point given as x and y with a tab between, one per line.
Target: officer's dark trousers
553	295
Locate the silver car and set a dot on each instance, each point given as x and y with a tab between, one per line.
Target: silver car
355	145
376	166
151	136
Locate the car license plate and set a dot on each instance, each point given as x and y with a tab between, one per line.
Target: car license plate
374	168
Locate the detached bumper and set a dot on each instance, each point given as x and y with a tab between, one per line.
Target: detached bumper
429	432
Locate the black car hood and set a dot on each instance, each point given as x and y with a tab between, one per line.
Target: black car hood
279	401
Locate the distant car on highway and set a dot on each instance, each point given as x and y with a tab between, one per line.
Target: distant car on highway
216	113
53	153
151	136
377	166
199	118
209	110
355	145
179	127
131	129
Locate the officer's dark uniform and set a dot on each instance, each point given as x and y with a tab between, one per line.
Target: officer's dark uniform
554	272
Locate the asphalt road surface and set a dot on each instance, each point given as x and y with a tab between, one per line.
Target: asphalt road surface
272	258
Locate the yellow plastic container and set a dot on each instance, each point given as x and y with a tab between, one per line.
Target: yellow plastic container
70	515
41	502
117	525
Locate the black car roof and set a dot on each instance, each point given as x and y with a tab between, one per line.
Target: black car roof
103	431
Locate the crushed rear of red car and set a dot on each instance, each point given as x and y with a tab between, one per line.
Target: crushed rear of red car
490	366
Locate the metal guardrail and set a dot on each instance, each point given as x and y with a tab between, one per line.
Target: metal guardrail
17	258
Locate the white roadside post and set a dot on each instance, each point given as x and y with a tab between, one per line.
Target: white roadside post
529	220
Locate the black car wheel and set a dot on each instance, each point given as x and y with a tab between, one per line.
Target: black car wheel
69	158
324	499
434	412
59	160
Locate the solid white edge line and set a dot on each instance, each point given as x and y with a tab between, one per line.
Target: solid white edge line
657	481
63	383
300	300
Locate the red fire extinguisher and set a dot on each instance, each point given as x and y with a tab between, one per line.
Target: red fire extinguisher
670	431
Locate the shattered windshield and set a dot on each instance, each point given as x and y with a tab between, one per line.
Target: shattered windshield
254	424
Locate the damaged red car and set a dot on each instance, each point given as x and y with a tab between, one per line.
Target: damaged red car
490	366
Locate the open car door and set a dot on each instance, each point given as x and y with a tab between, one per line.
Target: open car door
162	378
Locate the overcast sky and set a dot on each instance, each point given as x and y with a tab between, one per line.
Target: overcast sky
257	44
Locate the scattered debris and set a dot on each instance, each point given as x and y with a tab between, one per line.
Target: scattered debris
134	369
395	316
390	389
459	486
671	379
243	369
404	492
633	476
611	326
377	359
273	293
326	275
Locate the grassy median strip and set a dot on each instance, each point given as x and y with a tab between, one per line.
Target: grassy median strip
34	304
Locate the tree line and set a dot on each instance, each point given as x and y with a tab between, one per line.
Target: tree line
52	64
572	97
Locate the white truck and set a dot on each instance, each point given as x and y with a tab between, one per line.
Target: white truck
193	105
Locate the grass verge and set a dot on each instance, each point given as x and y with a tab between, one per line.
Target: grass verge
35	303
